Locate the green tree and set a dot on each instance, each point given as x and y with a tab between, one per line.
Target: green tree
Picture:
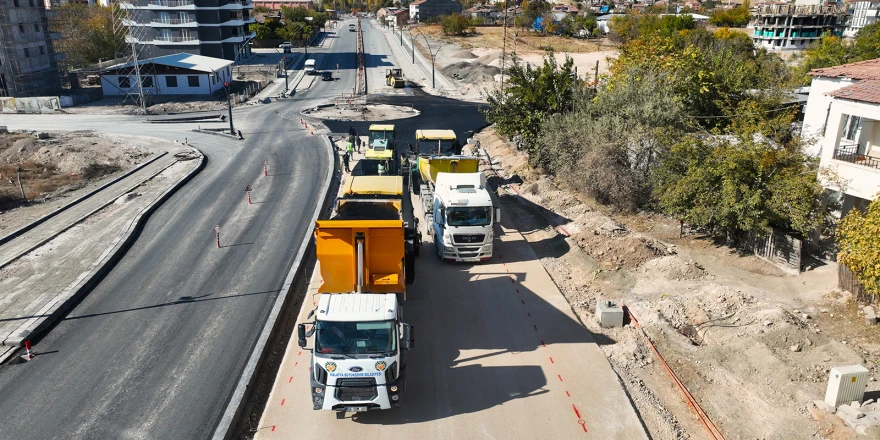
530	95
867	42
87	34
828	51
736	17
857	239
454	24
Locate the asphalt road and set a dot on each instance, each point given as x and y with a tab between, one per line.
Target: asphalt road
155	350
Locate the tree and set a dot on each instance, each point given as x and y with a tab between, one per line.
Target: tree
454	24
828	51
87	34
736	17
857	239
530	96
867	42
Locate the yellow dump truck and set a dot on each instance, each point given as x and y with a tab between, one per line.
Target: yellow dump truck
381	198
358	341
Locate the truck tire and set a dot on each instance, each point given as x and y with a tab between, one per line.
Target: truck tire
409	268
416	182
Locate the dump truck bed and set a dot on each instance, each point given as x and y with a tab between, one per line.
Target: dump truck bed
336	248
429	166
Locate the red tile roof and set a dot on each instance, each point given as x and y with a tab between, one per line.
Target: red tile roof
862	70
418	2
865	91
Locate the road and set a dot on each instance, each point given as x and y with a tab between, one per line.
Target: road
155	350
499	352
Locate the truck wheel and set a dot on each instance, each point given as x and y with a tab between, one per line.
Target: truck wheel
409	268
416	182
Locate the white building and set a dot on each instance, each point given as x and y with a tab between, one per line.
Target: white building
843	116
864	13
178	74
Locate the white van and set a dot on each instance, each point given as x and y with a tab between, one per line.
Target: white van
310	67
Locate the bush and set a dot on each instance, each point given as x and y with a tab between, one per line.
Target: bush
96	170
454	24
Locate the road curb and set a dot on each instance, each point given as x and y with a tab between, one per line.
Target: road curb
232	417
217	132
41	220
87	281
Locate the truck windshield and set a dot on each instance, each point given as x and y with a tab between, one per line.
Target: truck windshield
443	148
389	135
371	337
470	216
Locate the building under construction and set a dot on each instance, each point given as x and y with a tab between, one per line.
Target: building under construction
28	62
796	26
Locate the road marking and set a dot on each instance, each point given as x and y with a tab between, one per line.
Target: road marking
542	344
530	314
282	402
560	377
576	412
583	424
535	326
566	393
273	428
522	301
290	380
551	360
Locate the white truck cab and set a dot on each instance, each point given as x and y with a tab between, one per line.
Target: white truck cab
358	352
310	67
463	217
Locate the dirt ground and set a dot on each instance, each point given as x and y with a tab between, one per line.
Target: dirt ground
474	62
57	169
754	346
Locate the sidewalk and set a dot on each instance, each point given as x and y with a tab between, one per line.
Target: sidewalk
47	267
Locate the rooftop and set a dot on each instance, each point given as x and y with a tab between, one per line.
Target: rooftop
865	91
862	70
184	61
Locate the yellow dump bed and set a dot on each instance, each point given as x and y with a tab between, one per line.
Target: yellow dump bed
336	247
431	165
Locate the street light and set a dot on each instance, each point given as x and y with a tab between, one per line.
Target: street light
433	55
244	44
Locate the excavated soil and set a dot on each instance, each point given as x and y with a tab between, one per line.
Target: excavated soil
753	346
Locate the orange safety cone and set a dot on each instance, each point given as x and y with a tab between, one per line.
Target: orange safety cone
312	131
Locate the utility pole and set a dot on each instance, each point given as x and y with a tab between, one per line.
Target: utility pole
20	187
284	66
229	107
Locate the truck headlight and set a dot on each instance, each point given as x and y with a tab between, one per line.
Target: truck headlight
318	390
395	397
393	388
447	237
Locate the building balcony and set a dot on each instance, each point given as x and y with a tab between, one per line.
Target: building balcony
855	155
173	21
161	4
159	39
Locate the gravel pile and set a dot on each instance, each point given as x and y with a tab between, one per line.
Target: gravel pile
471	72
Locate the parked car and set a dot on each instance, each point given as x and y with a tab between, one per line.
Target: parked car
326	76
285	46
351	28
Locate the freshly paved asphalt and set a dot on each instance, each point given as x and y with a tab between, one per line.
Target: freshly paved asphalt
155	350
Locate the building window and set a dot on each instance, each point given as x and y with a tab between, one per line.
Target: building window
170	81
27	53
21	28
15	3
124	82
42	51
31	2
147	81
851	127
192	80
36	27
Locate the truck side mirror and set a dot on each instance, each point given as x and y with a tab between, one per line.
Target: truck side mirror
497	215
409	341
301	333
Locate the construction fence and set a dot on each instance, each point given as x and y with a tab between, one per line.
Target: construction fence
36	104
778	247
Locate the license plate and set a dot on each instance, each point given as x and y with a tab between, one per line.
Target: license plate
356	409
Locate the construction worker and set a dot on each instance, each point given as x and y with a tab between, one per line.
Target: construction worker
349	148
381	168
345	159
358	143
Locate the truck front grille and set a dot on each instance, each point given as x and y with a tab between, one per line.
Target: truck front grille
356	389
468	238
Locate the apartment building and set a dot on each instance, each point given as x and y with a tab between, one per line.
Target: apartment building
864	13
213	28
28	62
